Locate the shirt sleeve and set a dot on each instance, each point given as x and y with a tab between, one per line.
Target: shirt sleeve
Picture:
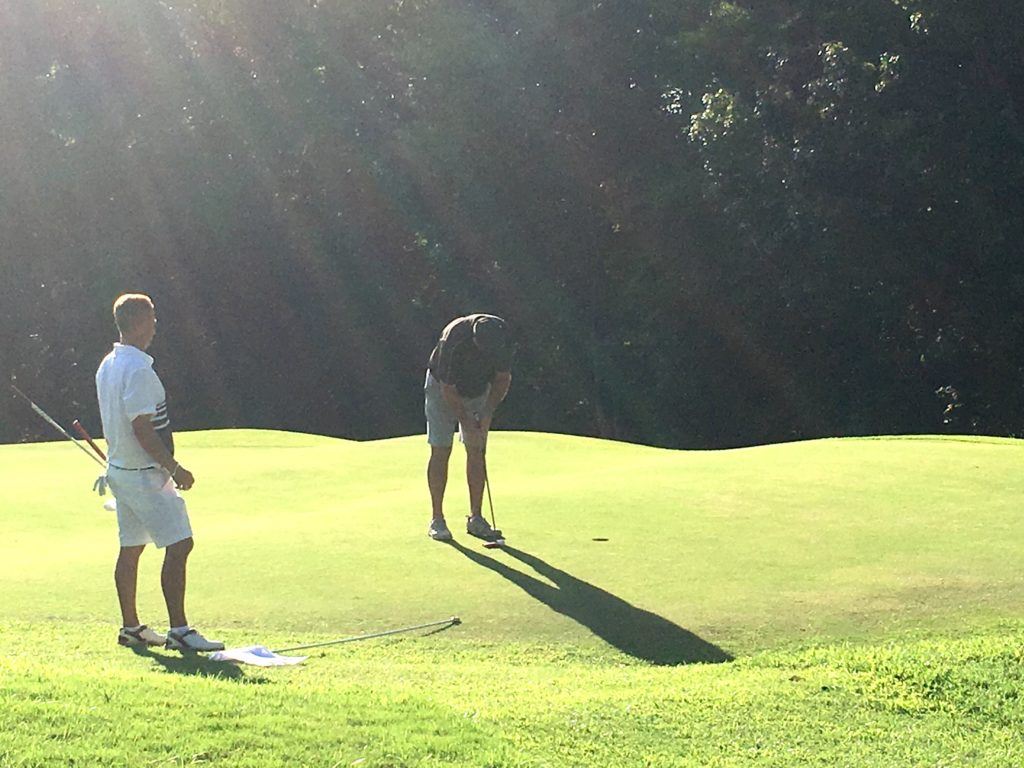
455	334
142	393
443	370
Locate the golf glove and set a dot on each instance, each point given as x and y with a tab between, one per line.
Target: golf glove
100	486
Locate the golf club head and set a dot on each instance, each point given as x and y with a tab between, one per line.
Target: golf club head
496	544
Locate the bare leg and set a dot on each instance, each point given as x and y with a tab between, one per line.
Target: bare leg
126	579
437	477
172	579
475	479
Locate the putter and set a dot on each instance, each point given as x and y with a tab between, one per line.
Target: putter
498	542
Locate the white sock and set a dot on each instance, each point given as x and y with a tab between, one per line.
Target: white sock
133	629
180	630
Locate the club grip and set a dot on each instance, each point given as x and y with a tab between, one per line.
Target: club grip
82	433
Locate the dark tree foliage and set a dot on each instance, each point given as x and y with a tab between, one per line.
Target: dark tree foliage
870	159
711	223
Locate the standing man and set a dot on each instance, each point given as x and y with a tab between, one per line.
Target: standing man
468	376
145	478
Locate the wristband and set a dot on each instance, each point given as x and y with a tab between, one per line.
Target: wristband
177	466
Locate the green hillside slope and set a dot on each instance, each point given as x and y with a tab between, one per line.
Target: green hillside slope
739	550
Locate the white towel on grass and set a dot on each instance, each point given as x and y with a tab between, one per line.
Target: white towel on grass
257	655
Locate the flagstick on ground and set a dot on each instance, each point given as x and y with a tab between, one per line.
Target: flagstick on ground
450	622
261	656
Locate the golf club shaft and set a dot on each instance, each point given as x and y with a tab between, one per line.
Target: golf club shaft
84	434
451	622
487	485
57	426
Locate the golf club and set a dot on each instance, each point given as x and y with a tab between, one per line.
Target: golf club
84	434
450	622
111	504
498	542
57	426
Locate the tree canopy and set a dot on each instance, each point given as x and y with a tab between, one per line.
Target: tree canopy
711	223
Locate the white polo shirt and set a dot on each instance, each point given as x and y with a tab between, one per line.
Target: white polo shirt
128	387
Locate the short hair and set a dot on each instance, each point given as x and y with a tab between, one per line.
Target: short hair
129	308
492	337
490	334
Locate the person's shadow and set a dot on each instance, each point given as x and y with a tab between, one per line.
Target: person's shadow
634	631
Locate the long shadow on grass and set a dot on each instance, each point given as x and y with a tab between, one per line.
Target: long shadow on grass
199	666
634	631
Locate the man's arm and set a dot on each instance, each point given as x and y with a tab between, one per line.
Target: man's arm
451	396
151	443
458	332
499	388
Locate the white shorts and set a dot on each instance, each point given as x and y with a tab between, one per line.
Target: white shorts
441	420
149	507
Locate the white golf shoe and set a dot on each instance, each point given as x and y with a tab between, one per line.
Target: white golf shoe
191	641
130	636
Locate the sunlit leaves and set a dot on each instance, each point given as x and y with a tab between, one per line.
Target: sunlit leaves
717	119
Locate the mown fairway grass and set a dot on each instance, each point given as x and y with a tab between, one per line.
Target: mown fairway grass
864	596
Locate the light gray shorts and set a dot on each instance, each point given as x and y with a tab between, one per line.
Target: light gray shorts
149	507
441	421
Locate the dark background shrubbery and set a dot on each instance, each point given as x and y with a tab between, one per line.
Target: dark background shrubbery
711	223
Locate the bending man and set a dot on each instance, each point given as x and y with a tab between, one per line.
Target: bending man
468	376
145	477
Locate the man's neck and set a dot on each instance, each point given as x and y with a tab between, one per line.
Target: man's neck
132	341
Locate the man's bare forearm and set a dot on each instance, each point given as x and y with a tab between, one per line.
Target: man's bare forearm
151	442
499	388
154	446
